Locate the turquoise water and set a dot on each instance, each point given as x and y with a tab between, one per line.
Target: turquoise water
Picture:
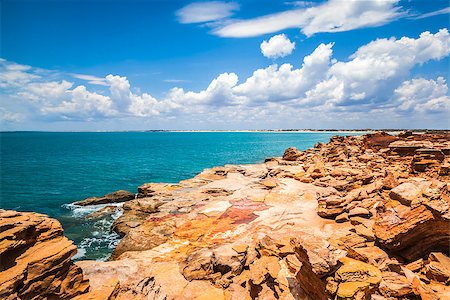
43	171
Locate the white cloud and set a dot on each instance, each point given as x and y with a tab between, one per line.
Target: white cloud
200	12
377	68
300	3
331	16
423	95
46	90
277	46
175	80
82	104
10	117
218	93
374	81
91	79
286	83
14	75
434	13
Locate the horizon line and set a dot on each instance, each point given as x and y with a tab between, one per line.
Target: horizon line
234	130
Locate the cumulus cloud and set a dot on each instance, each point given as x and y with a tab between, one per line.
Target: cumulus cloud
377	68
423	95
14	75
46	90
375	80
200	12
82	104
331	16
277	46
285	82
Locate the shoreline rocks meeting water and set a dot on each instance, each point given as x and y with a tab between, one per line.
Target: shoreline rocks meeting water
361	217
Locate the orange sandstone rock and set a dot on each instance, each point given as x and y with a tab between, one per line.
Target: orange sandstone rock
36	259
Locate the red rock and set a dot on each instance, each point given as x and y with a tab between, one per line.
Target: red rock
291	154
378	140
36	259
412	233
226	233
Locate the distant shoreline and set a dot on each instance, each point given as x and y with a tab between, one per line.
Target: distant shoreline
247	130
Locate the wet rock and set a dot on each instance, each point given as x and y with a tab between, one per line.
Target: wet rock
103	212
115	197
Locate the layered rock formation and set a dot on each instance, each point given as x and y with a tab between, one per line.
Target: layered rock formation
115	197
343	220
358	218
35	259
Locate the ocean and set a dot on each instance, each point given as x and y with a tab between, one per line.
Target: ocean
47	171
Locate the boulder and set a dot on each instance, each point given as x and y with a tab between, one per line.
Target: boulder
394	285
291	154
359	212
411	192
103	212
115	197
427	160
356	279
438	267
412	232
378	140
331	206
36	259
345	220
316	262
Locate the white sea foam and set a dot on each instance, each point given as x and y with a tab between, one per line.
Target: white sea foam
80	253
101	237
81	211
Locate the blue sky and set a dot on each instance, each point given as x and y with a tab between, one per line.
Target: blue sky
123	65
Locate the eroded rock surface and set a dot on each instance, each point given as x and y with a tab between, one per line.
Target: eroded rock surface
340	220
36	259
357	218
115	197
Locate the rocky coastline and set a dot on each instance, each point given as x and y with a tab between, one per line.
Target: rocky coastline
361	217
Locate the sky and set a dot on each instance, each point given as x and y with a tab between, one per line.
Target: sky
224	65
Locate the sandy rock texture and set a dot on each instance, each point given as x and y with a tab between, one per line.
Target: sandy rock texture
35	259
357	218
362	217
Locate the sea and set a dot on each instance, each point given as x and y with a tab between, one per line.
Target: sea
46	172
